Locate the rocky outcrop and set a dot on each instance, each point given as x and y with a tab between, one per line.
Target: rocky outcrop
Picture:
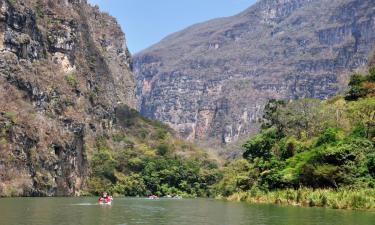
212	80
64	69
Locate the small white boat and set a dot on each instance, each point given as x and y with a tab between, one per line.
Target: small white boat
153	197
105	203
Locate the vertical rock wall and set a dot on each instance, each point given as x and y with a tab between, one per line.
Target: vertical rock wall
64	68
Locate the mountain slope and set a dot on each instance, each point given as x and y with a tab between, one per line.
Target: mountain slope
64	69
67	120
212	80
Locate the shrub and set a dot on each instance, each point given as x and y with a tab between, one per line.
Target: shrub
132	185
103	165
361	86
329	136
358	202
98	185
289	146
260	145
163	149
71	79
358	132
356	79
371	164
12	116
126	116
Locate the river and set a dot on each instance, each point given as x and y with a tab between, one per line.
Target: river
129	211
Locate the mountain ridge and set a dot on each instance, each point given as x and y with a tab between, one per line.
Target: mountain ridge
231	66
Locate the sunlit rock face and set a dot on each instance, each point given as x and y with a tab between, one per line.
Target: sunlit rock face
64	69
212	80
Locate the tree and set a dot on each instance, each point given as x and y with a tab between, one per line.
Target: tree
301	118
362	112
237	176
328	136
260	145
271	115
361	85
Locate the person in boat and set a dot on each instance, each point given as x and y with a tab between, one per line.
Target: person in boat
105	198
153	197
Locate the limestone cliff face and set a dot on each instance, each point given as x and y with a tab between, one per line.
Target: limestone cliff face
64	68
211	80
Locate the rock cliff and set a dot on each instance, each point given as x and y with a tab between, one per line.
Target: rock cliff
212	80
64	69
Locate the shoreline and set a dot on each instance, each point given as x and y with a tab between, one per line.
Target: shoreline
343	199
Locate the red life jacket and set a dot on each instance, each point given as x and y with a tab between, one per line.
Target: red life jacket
104	199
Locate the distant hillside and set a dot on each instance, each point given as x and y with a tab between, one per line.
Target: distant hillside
211	81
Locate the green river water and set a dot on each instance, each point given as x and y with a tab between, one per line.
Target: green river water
129	211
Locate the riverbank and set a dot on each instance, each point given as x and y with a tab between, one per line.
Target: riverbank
356	199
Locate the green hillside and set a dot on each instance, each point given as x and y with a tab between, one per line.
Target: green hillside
311	152
145	158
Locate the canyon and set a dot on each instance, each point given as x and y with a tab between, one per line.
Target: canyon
211	81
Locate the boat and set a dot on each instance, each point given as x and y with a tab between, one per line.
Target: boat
105	200
105	203
153	197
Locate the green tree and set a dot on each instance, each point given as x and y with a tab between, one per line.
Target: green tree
260	145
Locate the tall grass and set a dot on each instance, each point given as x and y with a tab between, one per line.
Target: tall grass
359	199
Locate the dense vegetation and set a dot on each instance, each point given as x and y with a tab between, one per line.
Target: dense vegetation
144	158
311	152
308	152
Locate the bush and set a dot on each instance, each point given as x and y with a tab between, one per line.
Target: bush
126	116
12	116
355	93
132	185
71	79
329	136
236	177
260	145
361	86
324	175
289	146
371	164
103	165
358	202
358	132
356	79
163	149
98	185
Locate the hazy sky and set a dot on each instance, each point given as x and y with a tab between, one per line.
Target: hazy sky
146	22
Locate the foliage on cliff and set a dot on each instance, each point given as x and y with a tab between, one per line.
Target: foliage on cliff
310	143
145	158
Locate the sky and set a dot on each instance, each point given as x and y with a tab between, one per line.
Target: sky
146	22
